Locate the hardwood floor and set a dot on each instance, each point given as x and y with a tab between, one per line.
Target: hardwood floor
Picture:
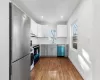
54	69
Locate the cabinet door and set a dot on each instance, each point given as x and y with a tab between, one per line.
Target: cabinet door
45	30
42	50
52	50
40	31
62	31
33	27
46	50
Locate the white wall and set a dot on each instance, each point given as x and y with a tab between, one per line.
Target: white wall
4	40
47	41
95	41
61	30
82	57
34	40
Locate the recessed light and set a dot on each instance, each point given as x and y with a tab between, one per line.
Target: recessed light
42	17
62	17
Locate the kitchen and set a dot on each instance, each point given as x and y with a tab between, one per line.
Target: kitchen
36	45
49	39
30	41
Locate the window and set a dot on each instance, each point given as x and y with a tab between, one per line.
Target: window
74	35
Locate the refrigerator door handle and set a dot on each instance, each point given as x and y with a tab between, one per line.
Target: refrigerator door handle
11	70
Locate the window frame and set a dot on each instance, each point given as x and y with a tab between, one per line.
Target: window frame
72	35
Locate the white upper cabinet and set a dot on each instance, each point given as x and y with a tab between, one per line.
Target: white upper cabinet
40	31
33	27
48	30
61	30
45	30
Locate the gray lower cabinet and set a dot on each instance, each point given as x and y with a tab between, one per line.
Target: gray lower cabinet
48	50
52	50
42	50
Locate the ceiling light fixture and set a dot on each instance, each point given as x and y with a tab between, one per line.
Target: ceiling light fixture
42	17
62	17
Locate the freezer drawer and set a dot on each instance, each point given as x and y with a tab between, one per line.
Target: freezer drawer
21	69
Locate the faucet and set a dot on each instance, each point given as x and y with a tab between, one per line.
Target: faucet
53	32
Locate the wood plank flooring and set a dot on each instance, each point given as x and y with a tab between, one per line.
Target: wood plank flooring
55	69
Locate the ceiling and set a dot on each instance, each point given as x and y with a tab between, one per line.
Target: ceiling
48	11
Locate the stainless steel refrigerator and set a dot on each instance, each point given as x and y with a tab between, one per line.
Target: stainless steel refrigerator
19	44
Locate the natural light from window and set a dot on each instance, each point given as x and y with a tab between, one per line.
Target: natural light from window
83	64
86	56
